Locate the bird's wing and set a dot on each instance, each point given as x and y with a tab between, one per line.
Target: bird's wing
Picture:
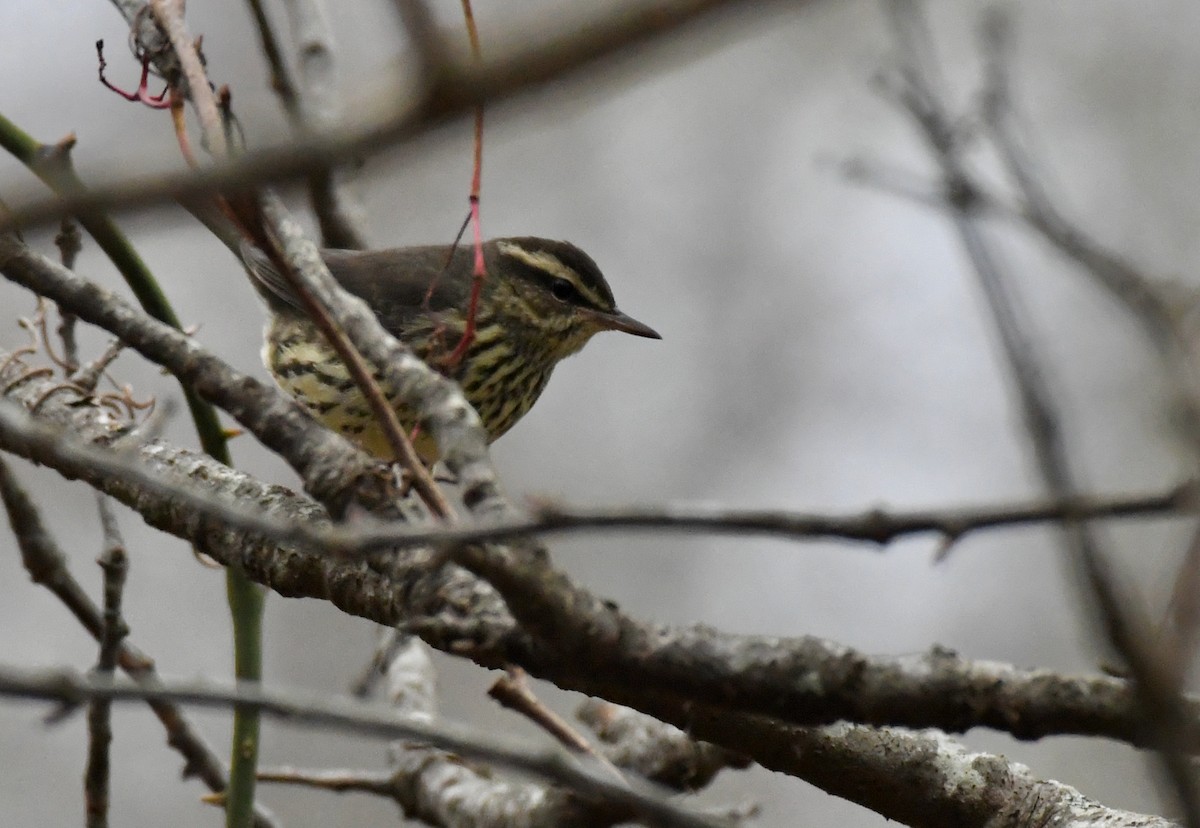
397	295
267	280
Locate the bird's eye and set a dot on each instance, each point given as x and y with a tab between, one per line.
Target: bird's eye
563	291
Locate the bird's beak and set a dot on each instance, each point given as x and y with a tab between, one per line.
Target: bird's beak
617	321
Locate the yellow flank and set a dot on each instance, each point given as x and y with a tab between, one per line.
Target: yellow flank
499	382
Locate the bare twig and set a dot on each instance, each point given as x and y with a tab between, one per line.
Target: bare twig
339	213
803	680
115	564
1145	298
1157	304
458	88
47	566
379	783
513	692
920	93
87	377
281	76
347	716
364	537
69	243
169	14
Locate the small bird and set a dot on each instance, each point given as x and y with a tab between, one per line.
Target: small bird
541	301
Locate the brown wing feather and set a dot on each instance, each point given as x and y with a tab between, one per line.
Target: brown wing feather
396	293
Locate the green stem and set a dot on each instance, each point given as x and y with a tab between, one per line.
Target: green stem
52	164
246	607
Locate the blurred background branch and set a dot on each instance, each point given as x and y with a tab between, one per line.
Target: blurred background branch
797	377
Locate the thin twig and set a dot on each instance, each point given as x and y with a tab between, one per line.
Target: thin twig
920	92
803	679
115	565
513	692
339	213
1144	297
169	14
457	89
47	566
379	783
875	526
69	243
1155	303
281	76
72	688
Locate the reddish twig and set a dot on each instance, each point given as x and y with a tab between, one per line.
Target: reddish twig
512	691
142	93
479	270
179	121
169	15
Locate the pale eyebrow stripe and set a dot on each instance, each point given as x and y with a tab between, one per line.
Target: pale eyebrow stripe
550	264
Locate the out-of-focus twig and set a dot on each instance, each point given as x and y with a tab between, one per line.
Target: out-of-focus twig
73	688
169	14
115	565
339	213
921	92
875	526
245	598
69	243
1139	293
455	91
1158	305
281	76
47	566
311	104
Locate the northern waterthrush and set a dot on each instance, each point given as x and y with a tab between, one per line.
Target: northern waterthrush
542	301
